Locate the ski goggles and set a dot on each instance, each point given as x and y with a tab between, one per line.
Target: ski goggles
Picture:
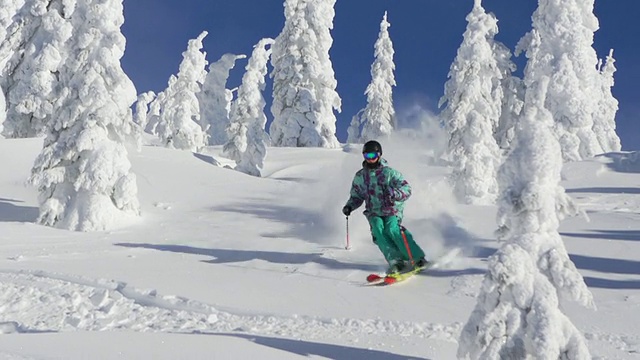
371	155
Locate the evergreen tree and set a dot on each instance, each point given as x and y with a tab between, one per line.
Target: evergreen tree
155	109
179	116
304	84
604	120
565	30
142	112
513	91
517	315
379	117
215	99
248	140
83	174
353	132
34	52
473	101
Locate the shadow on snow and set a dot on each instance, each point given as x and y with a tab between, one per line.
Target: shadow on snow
628	235
224	256
624	162
304	224
308	348
14	213
611	284
606	190
599	264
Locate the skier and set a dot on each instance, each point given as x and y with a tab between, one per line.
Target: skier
384	190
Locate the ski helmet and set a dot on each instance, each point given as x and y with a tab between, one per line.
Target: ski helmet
372	146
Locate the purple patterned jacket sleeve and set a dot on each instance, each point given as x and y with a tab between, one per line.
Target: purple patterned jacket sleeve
357	192
400	186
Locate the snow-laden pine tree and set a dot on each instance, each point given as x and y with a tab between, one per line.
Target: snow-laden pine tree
512	97
353	132
179	119
141	112
473	98
215	99
83	174
155	109
517	315
379	117
604	119
304	85
38	34
248	139
565	30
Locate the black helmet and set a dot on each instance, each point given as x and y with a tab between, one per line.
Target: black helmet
372	146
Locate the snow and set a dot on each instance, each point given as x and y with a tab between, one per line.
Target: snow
230	266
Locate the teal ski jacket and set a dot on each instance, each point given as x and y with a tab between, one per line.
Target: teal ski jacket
383	190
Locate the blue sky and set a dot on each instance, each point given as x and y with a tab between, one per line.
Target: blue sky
426	35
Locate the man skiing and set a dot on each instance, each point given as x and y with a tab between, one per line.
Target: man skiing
384	191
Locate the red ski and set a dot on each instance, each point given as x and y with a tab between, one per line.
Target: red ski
376	279
373	279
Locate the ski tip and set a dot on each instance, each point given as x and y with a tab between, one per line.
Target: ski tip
390	280
373	277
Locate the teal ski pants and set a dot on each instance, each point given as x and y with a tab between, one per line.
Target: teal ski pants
391	238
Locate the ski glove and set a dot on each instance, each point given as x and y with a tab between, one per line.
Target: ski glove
391	193
347	210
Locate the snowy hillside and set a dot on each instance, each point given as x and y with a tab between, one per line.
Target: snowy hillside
228	266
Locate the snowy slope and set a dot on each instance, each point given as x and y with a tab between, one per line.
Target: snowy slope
223	265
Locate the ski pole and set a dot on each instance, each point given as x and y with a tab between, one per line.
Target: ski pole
348	246
406	245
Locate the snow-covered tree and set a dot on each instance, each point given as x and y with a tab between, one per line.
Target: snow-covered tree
473	98
304	85
517	315
379	117
353	132
83	174
512	103
141	112
215	99
37	36
248	139
155	109
179	119
513	91
565	30
604	119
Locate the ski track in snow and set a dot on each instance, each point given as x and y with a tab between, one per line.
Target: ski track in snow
37	301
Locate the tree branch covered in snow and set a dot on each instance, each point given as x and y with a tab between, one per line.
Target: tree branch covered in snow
34	52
